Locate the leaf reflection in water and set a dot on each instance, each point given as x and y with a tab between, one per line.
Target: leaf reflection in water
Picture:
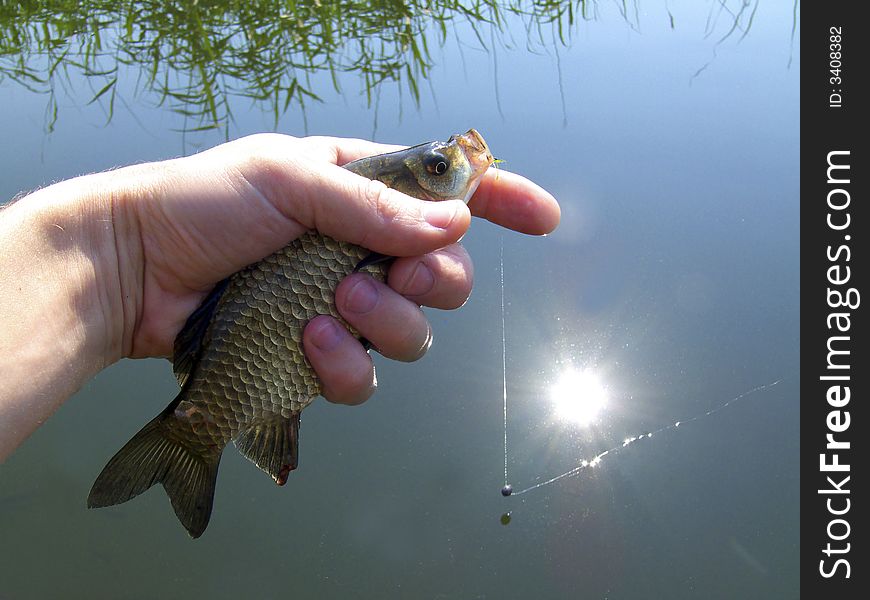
193	57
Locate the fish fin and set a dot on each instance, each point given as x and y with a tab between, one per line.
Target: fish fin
272	444
152	456
188	342
373	258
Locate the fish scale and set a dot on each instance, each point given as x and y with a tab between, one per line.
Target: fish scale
239	357
259	329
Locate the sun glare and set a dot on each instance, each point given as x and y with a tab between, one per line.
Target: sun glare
578	397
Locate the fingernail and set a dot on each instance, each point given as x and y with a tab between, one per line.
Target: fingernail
362	297
421	281
327	334
440	214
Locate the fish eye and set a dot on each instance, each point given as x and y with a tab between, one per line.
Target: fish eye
436	164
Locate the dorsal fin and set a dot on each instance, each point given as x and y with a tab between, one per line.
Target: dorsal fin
272	443
188	342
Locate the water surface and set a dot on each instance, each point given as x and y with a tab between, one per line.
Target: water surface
673	277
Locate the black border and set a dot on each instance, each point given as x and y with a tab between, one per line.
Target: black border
824	129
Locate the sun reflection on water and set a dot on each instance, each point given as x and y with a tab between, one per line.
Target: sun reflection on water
578	396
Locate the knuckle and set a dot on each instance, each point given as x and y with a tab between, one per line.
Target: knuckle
381	208
381	201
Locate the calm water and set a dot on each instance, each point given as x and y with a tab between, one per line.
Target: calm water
674	278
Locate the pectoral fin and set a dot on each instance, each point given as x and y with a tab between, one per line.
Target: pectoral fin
272	444
373	258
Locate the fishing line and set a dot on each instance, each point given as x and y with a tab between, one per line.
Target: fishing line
596	460
503	363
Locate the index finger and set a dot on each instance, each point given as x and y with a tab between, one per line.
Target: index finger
512	201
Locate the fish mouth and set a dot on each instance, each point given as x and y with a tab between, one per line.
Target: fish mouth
475	149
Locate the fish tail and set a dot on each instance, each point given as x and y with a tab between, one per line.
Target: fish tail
153	456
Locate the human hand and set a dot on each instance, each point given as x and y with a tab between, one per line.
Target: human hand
149	242
207	216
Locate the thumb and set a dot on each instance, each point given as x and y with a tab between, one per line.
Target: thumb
348	207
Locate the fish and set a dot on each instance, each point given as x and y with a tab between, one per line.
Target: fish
239	358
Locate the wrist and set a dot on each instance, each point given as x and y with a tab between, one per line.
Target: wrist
62	314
